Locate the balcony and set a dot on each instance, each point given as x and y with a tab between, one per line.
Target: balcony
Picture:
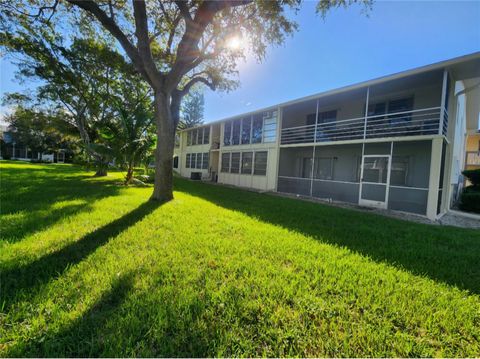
473	158
427	121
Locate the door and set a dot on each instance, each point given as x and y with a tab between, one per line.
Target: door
374	181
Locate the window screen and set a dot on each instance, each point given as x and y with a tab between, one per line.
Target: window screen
227	133
270	130
247	158
246	127
260	167
205	161
206	135
189	138
193	160
235	165
257	126
236	132
199	160
324	168
187	160
225	162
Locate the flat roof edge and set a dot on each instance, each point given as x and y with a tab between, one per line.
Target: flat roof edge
375	81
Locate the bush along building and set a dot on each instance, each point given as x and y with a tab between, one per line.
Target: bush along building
396	142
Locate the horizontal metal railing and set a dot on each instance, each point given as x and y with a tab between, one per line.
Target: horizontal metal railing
428	121
473	158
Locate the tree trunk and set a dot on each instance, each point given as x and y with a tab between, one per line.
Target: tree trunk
163	186
129	176
101	172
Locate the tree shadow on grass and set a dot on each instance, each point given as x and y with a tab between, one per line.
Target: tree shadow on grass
83	337
36	191
446	254
25	280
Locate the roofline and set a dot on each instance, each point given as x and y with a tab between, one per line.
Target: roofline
375	81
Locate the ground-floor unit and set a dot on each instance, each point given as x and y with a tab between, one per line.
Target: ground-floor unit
397	142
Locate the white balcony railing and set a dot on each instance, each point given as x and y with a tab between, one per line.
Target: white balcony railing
473	158
429	121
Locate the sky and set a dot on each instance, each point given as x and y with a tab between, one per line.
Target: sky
345	48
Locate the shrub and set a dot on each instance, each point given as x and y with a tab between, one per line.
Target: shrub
470	199
473	176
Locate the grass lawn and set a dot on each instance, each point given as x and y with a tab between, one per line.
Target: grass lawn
89	268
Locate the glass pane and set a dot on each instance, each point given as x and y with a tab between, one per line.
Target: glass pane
324	168
206	135
189	138
235	167
225	162
199	160
187	160
205	161
247	162
260	167
194	137
227	132
374	192
193	160
375	169
236	132
246	126
257	129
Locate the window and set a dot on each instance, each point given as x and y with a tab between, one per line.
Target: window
324	168
225	162
175	162
193	160
189	138
247	158
206	135
205	161
257	125
327	116
227	133
236	132
187	160
270	126
307	167
260	167
177	140
235	165
199	160
246	128
377	109
398	173
194	137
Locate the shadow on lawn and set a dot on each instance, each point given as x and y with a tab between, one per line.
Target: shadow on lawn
26	279
446	254
83	337
20	192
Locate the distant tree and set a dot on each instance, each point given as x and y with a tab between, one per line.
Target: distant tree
40	131
174	45
191	111
128	139
85	79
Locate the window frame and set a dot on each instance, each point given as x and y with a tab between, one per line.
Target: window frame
242	168
222	168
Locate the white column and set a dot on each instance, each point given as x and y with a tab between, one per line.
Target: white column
442	101
314	150
277	146
434	181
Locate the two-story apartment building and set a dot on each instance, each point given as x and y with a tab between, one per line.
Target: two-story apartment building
386	143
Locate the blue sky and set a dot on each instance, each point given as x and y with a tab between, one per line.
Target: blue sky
345	48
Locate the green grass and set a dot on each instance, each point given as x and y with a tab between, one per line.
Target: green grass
89	268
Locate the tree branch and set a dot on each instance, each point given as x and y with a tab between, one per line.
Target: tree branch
92	8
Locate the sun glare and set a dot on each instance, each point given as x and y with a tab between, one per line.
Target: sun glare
234	43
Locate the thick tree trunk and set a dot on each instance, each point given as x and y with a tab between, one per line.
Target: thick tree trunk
163	186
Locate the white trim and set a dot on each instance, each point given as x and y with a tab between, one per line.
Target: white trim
405	187
372	203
